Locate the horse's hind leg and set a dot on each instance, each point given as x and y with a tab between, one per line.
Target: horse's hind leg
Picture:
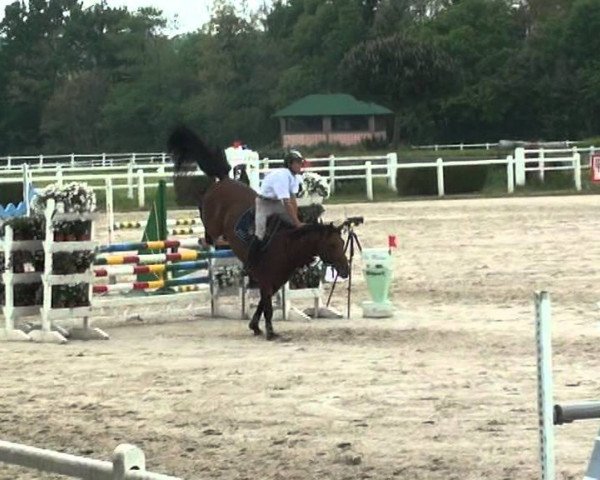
253	325
268	311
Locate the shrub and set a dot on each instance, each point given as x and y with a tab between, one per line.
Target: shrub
457	180
11	193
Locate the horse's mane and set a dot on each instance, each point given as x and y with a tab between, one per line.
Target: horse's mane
311	228
188	148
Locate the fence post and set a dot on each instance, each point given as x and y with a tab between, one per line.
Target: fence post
510	174
141	188
59	175
8	162
104	159
545	384
130	180
126	458
369	179
252	162
520	166
487	146
133	158
72	160
41	161
26	188
541	165
163	158
110	213
440	177
577	171
332	174
392	170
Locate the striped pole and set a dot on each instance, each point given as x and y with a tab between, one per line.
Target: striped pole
186	231
162	257
171	222
146	269
127	287
151	245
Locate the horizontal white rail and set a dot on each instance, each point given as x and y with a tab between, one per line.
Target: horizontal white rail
128	463
455	146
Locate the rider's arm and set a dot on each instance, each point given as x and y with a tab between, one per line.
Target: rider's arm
292	209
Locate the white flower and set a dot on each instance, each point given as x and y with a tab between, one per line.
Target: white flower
314	184
76	197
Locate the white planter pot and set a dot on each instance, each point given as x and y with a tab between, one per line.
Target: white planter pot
309	200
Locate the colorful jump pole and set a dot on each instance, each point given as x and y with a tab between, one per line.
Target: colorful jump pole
146	269
127	287
162	257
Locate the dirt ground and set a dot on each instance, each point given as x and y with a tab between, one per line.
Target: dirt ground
446	390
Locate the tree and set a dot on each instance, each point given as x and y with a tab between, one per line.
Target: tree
313	37
72	116
407	72
482	37
34	59
235	73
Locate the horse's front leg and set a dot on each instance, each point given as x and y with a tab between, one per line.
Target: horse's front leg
266	299
253	325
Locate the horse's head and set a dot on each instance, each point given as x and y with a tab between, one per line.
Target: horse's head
331	249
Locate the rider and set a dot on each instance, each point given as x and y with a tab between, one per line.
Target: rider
277	196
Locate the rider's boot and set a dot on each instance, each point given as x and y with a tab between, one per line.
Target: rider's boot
254	250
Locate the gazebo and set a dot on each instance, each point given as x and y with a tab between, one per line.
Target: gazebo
331	118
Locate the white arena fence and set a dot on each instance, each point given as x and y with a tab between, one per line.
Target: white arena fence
456	146
128	463
506	144
137	172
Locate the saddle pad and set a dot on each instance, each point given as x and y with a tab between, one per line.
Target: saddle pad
244	227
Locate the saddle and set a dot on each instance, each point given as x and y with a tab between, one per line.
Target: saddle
244	227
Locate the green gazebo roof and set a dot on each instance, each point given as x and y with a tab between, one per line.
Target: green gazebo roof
331	104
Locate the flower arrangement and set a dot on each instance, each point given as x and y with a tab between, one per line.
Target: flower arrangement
308	277
26	294
70	263
310	213
73	231
228	277
25	228
70	296
24	261
76	197
314	184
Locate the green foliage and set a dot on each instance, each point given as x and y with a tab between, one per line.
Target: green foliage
11	193
401	68
457	180
76	79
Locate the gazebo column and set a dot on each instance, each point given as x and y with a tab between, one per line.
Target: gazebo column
327	128
372	124
282	130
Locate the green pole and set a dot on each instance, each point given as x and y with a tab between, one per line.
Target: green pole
156	227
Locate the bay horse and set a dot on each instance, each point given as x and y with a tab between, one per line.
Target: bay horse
222	206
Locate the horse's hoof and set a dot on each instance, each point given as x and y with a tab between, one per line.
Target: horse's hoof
272	336
257	331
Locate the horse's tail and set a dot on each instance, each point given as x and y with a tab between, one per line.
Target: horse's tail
187	148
